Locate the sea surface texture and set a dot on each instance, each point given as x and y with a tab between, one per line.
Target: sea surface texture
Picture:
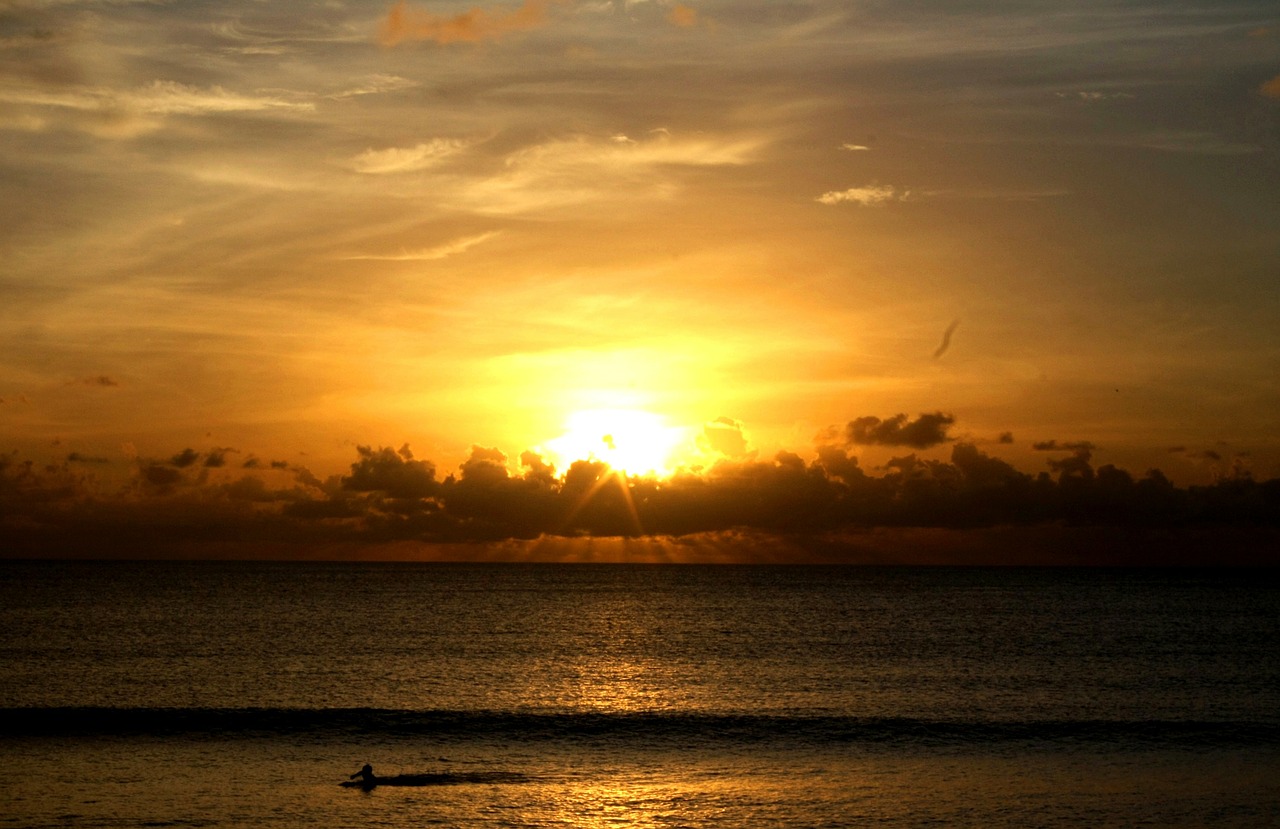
218	695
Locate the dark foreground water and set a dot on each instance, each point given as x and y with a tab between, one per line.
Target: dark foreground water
165	694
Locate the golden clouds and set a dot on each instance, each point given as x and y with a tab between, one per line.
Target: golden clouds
406	159
172	98
871	194
620	152
683	16
1271	88
725	436
404	23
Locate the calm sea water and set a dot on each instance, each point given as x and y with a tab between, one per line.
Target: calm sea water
168	694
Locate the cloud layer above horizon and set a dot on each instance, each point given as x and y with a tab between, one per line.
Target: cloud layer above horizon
193	502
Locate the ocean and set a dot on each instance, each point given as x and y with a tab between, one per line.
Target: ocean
166	694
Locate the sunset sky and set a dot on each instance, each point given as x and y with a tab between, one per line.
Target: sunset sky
269	234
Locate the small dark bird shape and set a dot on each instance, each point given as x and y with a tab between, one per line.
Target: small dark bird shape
946	339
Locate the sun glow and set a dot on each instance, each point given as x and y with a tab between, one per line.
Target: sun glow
628	440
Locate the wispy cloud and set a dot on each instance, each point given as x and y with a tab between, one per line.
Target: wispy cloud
407	159
1193	142
1092	96
429	254
992	194
376	85
867	196
157	98
1271	88
854	147
585	168
127	112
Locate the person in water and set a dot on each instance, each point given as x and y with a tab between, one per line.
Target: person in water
366	775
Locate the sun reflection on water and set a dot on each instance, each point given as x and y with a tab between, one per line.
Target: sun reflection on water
632	803
616	685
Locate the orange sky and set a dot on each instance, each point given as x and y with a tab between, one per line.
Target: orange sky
273	235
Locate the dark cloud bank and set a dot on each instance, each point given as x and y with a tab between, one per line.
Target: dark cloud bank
969	508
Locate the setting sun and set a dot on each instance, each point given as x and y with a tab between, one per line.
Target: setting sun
629	440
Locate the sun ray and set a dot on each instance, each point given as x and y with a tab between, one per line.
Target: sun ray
630	502
610	476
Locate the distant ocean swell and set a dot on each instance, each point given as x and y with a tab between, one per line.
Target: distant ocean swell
644	726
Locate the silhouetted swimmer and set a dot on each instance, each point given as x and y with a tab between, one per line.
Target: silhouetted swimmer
366	775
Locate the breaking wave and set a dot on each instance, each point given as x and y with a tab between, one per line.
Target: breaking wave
654	726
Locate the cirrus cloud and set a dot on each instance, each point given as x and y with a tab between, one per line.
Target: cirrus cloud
126	113
376	84
582	169
867	196
407	159
156	98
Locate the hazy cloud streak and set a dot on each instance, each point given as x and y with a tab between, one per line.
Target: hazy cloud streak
156	98
429	254
376	85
